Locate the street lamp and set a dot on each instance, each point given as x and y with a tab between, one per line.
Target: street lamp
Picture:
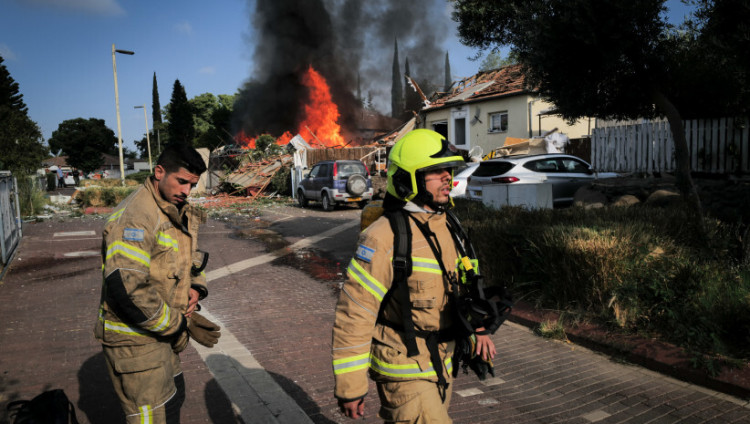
148	141
117	106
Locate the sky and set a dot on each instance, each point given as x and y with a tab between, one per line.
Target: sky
60	54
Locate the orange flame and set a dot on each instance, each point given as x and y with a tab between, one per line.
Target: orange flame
320	115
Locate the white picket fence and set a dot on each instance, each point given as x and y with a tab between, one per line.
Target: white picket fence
717	146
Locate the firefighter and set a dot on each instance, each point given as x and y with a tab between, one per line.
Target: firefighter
404	332
153	281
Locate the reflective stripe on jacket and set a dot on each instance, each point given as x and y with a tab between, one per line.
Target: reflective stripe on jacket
147	250
359	343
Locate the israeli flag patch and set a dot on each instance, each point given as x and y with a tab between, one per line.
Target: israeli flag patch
364	253
132	234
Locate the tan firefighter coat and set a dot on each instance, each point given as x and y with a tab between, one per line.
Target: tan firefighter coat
147	251
359	343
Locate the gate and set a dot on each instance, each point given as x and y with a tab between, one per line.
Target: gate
10	217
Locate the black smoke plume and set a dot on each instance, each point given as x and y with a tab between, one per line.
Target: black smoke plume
339	39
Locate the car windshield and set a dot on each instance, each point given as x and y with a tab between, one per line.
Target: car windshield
488	169
345	169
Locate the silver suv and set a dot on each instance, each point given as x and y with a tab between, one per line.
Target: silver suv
565	173
336	181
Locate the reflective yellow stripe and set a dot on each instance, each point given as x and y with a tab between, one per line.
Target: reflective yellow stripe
366	280
146	413
406	370
350	364
166	240
115	215
163	322
129	251
425	265
119	327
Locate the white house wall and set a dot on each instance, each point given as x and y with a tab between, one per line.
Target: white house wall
517	108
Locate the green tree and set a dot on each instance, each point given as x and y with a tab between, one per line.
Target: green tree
448	78
494	60
204	106
606	59
722	33
397	94
21	140
181	127
158	128
84	141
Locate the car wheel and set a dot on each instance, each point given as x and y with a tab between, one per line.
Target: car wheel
327	203
301	198
356	185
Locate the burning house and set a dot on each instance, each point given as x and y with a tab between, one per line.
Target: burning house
309	59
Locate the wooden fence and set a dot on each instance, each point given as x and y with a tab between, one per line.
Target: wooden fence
717	146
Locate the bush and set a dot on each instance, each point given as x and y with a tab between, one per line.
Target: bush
280	182
31	198
51	181
104	196
638	269
139	177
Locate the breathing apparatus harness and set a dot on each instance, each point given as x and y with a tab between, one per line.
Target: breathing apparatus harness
472	307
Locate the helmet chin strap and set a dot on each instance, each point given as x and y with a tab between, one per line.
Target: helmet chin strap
425	198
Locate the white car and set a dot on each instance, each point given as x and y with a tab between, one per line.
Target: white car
566	173
460	179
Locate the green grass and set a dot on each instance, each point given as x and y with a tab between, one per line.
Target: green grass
639	270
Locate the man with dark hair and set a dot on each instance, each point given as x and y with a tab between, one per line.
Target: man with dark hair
153	279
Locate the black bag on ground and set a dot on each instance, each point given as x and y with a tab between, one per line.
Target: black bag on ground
50	407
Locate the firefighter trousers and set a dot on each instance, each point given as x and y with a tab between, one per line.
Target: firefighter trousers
148	382
413	401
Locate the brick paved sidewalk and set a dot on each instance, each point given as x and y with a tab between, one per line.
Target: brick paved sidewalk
277	323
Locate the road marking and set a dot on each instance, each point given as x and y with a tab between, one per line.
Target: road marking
74	233
469	392
252	391
249	387
268	257
81	254
596	416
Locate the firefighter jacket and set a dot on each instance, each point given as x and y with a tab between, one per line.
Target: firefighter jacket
359	342
148	249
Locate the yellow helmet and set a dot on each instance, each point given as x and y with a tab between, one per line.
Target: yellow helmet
419	151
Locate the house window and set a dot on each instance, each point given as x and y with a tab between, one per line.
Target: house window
460	132
441	128
498	122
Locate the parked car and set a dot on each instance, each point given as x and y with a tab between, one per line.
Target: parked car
336	181
460	179
566	173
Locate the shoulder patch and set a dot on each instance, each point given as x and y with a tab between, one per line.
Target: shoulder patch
364	253
132	234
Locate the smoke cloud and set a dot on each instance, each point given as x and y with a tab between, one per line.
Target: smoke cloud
339	38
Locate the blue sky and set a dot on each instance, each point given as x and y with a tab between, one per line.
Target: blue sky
60	53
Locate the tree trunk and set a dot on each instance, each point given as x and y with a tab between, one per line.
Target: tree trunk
682	156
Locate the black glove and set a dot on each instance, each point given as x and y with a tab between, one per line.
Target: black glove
465	356
180	341
202	330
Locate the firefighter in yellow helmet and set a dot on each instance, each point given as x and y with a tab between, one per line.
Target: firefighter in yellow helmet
395	317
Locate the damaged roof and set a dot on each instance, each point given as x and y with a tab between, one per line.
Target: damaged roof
502	82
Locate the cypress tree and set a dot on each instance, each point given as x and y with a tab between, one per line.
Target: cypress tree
155	105
181	125
156	117
448	79
397	93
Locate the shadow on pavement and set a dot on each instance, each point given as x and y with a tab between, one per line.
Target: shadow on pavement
96	397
